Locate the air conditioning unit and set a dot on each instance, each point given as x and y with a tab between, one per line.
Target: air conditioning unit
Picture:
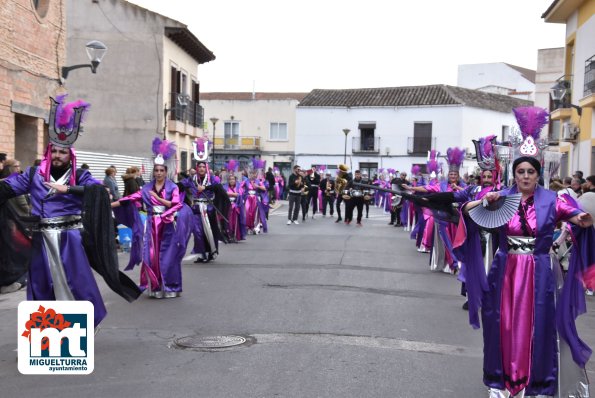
569	131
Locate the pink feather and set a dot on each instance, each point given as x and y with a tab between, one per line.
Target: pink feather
531	120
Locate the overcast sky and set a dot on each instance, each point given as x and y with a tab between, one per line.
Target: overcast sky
277	45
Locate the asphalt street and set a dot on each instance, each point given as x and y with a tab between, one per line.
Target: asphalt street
329	310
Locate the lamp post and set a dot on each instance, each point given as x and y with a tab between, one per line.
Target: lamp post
346	131
95	51
213	120
558	94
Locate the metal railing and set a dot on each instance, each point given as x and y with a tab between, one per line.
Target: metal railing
243	143
589	87
186	110
365	144
420	145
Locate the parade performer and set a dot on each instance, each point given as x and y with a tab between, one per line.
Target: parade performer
424	229
162	247
313	181
354	199
210	205
340	185
74	230
254	197
327	187
279	184
237	211
531	346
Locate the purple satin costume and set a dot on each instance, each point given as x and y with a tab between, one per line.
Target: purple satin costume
518	310
163	241
256	204
237	214
77	269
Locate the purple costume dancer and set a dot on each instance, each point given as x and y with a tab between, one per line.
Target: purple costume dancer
254	196
530	342
167	228
202	191
237	211
68	242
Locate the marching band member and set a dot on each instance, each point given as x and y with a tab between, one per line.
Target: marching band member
327	187
355	199
340	185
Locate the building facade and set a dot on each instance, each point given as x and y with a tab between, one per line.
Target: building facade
396	127
147	86
574	113
32	50
498	78
253	125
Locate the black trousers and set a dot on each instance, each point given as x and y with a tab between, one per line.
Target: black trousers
395	215
330	201
294	206
304	203
313	198
350	205
339	200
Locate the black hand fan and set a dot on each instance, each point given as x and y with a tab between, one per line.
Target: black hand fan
495	214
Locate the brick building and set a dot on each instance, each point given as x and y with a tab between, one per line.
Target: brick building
32	50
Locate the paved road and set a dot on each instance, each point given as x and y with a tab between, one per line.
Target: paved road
335	311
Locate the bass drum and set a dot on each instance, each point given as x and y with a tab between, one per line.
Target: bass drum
345	194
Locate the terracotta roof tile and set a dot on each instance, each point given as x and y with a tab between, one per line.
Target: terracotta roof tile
247	96
411	96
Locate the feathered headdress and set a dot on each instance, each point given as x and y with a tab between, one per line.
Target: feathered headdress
454	158
486	152
65	120
232	165
432	166
163	150
415	169
531	120
258	164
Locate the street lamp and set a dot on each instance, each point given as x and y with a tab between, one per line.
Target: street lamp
213	120
558	94
95	51
346	131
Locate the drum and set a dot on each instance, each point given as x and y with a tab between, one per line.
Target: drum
356	193
345	194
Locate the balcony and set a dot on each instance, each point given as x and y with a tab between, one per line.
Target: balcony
365	145
238	143
420	145
192	112
589	87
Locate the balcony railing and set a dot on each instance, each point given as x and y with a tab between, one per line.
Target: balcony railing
365	144
238	143
589	77
420	145
192	112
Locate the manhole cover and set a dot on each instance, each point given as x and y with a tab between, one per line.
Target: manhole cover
209	342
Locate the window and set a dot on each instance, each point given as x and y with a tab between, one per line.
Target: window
505	133
183	160
278	132
231	134
371	169
422	137
367	136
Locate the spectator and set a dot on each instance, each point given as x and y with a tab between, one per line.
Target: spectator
587	199
2	160
110	182
130	183
139	178
579	174
575	185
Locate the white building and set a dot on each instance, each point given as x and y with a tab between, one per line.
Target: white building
253	125
395	127
498	78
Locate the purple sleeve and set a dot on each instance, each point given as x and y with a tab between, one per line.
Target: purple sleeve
19	182
565	211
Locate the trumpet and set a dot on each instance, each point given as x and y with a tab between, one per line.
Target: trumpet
327	191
